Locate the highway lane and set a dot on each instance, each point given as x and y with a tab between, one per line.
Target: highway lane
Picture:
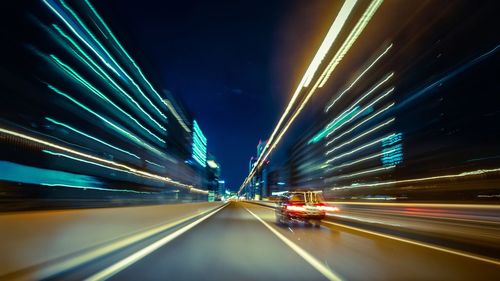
242	242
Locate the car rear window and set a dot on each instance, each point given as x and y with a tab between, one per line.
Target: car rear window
296	198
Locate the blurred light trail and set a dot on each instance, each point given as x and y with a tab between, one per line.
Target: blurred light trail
358	78
463	174
90	137
83	160
447	77
75	75
176	115
360	123
360	26
332	125
358	149
99	71
332	34
360	136
93	188
373	156
388	92
418	205
164	100
270	144
154	164
113	125
15	172
373	89
366	172
101	160
73	28
315	63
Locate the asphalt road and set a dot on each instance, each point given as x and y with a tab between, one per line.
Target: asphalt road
242	242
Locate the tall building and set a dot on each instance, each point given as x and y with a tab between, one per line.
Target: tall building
258	186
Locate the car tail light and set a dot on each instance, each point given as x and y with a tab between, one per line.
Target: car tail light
297	208
327	208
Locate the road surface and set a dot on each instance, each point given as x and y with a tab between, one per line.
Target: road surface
241	241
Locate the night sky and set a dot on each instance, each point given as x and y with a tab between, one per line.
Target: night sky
233	63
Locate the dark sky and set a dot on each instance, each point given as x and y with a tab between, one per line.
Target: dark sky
233	63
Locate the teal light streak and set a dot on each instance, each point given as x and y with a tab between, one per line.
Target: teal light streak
84	82
79	36
334	124
153	163
93	188
114	126
199	145
84	161
111	57
90	137
101	72
122	48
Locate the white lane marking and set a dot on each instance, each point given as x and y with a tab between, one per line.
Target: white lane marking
71	262
124	263
442	249
328	273
463	254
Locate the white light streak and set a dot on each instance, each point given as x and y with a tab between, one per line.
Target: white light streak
124	168
361	111
463	174
358	78
360	26
360	136
332	34
360	123
366	172
357	149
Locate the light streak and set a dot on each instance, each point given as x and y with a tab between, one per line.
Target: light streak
366	172
463	174
332	34
362	110
360	136
125	168
360	123
270	142
93	187
176	115
90	137
347	164
373	89
360	26
357	149
358	78
83	160
154	164
101	72
72	28
332	125
199	145
92	89
165	101
113	125
311	69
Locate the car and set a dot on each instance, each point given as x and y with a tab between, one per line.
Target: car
304	206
